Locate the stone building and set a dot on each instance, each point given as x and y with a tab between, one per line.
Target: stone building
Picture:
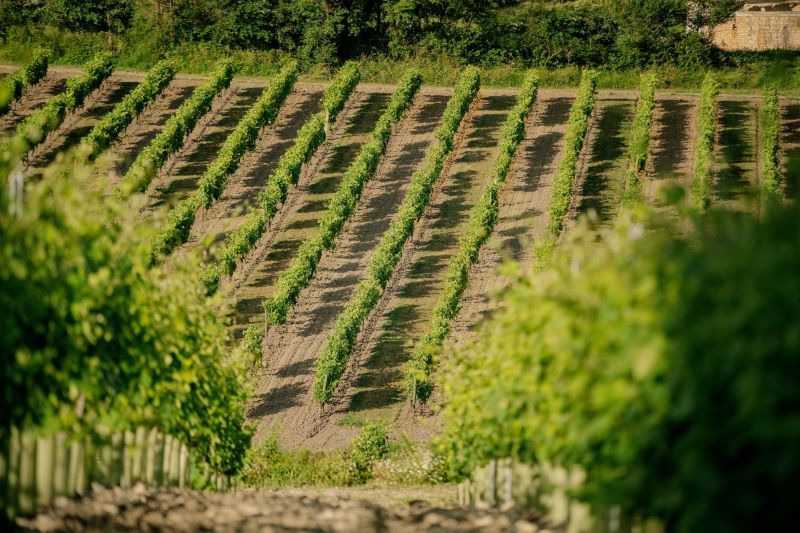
761	26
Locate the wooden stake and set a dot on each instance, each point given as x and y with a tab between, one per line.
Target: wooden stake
175	463
27	475
12	492
45	471
140	455
61	467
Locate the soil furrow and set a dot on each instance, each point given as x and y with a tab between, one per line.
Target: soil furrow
36	96
374	383
79	123
599	186
522	216
672	145
305	205
241	191
141	131
294	346
735	181
179	177
790	147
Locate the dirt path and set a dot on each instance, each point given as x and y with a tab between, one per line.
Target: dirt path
36	96
404	510
522	217
79	123
672	147
735	179
373	384
287	391
179	176
243	187
297	220
599	182
790	147
141	131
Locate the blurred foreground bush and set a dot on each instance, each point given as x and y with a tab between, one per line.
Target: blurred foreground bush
666	367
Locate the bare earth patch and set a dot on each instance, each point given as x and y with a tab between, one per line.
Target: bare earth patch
36	96
311	510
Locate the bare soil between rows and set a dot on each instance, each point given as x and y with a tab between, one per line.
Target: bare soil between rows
306	203
293	347
243	186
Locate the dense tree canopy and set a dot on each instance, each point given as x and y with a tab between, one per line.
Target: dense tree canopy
618	33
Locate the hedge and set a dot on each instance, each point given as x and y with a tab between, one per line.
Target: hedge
771	130
482	220
111	125
313	133
174	132
331	363
342	205
706	132
239	142
639	139
573	144
47	118
31	74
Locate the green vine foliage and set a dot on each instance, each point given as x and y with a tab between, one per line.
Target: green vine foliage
706	133
94	338
313	133
211	186
331	363
344	201
660	361
639	139
771	131
482	220
31	74
174	132
113	123
573	144
47	118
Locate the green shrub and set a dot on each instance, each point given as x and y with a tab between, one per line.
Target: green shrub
47	118
172	136
482	220
239	142
267	465
330	365
771	131
341	206
573	144
87	323
639	139
706	133
14	87
111	125
663	366
313	133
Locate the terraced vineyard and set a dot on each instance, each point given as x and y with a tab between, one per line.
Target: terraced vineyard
373	378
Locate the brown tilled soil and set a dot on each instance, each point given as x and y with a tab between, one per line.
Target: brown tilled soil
373	386
672	147
180	174
600	179
286	392
522	217
79	123
735	181
345	510
141	131
36	96
243	187
790	147
306	203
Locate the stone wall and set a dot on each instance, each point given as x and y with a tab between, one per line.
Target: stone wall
761	26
